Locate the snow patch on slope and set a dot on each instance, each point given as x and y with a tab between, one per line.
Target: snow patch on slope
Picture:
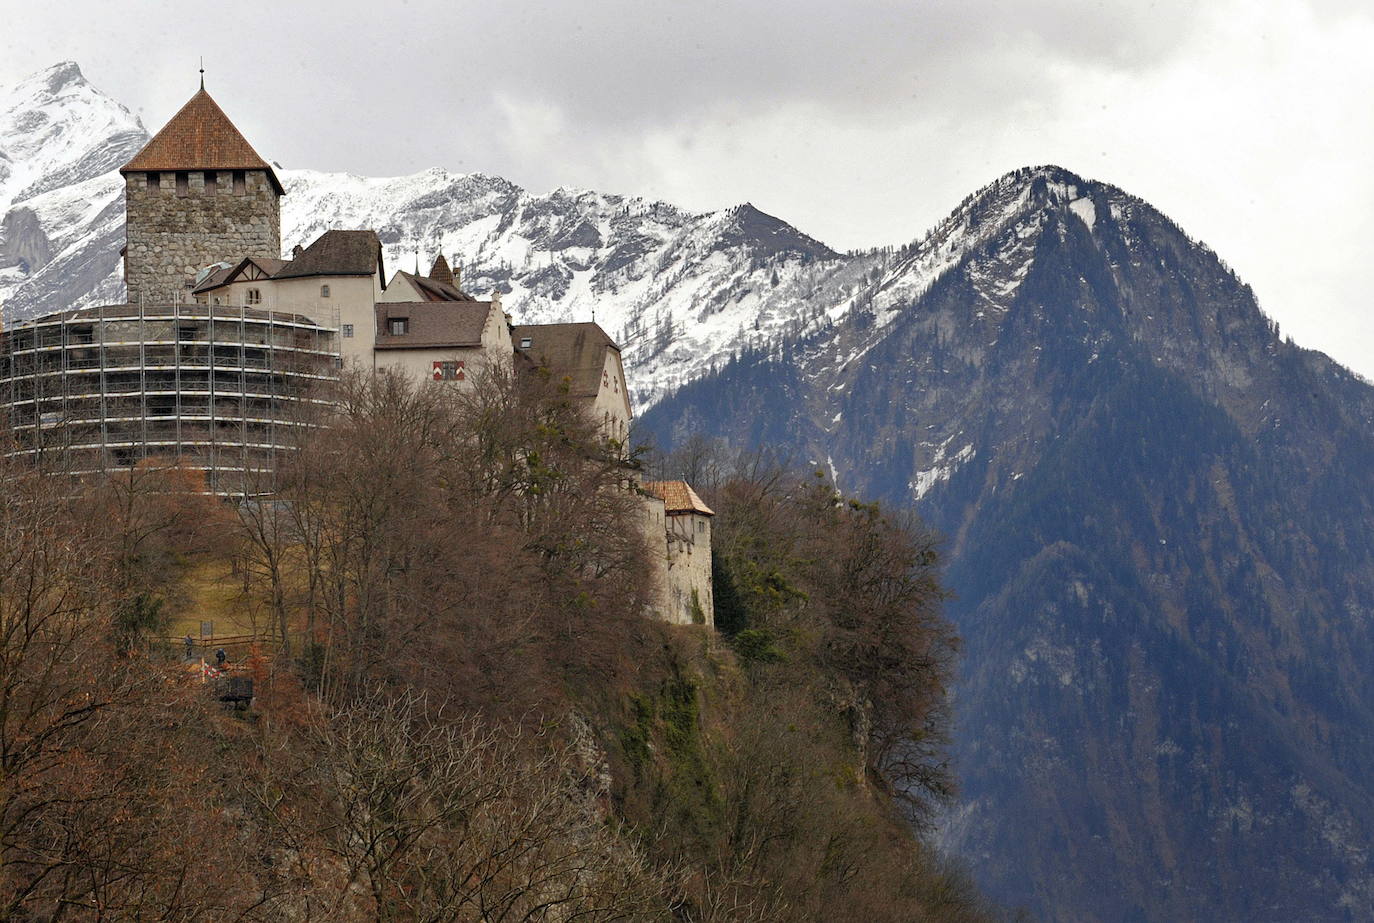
1085	210
942	470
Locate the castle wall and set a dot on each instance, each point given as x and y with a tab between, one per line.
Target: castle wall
171	236
611	408
352	297
653	524
418	364
688	599
349	305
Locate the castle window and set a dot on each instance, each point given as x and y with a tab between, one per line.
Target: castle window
398	326
154	180
526	342
324	291
701	526
346	330
211	182
183	183
240	182
448	371
252	296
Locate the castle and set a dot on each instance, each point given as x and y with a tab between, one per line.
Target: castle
221	340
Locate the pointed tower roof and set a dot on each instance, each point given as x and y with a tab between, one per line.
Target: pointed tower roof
199	137
440	272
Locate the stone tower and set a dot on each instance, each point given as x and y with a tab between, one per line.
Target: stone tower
196	194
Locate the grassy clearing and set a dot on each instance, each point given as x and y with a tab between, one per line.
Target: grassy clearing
212	591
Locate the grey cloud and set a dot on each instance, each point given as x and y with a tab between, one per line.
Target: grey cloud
863	122
644	61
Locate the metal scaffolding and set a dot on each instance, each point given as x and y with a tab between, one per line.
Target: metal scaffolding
220	388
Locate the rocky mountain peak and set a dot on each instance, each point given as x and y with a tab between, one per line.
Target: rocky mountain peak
767	235
48	82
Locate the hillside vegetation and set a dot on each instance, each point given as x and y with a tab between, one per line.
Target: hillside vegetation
460	713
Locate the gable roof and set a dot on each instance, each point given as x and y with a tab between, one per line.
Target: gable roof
433	324
432	290
200	137
573	351
337	253
678	497
227	274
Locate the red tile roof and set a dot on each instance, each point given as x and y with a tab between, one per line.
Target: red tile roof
199	137
440	272
678	497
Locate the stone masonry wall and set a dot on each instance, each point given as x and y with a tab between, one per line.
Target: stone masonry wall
171	236
689	571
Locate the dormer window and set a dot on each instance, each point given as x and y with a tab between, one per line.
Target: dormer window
526	342
398	326
324	291
252	296
240	182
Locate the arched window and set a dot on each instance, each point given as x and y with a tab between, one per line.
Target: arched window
324	291
252	296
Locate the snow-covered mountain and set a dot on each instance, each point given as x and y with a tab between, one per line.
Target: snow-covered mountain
61	203
679	290
1160	542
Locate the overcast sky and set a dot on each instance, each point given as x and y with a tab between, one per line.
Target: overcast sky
862	122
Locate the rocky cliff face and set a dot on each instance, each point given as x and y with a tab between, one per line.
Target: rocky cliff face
1160	522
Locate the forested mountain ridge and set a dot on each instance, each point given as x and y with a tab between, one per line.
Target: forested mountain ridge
1160	521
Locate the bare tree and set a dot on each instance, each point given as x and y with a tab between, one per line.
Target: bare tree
424	817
